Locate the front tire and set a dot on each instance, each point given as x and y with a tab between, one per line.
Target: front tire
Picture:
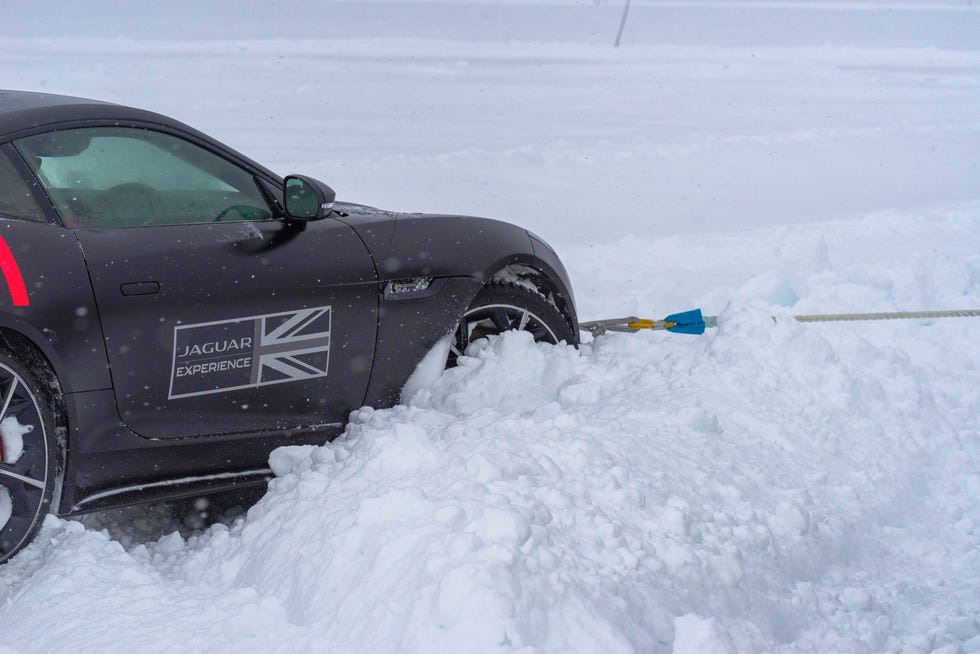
502	307
30	456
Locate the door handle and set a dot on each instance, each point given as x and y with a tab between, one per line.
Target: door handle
140	288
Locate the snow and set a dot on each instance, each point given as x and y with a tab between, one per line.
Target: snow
696	635
770	486
12	434
428	369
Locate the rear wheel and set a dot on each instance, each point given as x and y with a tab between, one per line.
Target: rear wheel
29	456
502	307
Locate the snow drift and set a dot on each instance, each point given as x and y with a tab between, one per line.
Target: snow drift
766	485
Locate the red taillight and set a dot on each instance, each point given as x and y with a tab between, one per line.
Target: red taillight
18	292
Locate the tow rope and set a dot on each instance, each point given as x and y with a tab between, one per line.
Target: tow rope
693	322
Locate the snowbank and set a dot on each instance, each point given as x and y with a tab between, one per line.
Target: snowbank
761	487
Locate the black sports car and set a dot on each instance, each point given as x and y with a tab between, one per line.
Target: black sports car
173	310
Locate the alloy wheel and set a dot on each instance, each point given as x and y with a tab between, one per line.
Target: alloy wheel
24	462
482	321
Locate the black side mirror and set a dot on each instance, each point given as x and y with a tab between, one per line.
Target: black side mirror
306	198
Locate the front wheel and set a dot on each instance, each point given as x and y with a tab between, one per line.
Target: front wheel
502	307
29	456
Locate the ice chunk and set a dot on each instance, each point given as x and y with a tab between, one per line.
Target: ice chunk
856	599
696	635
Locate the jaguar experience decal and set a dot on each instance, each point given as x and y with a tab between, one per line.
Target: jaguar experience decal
213	357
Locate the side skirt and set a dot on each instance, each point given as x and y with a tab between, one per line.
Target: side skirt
173	489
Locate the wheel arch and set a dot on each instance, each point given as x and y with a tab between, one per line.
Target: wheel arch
537	275
16	333
36	359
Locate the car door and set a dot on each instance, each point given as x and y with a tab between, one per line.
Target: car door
218	317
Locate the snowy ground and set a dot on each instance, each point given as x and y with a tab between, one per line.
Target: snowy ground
769	486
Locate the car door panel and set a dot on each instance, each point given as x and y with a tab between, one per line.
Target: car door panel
234	327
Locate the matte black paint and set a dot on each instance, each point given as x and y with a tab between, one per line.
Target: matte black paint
216	272
104	305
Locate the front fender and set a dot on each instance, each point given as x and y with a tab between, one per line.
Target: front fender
461	254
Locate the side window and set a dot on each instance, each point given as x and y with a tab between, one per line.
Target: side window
126	177
16	199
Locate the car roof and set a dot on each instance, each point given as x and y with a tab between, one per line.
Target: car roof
17	100
24	111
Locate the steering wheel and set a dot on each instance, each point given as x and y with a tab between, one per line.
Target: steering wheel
245	212
132	203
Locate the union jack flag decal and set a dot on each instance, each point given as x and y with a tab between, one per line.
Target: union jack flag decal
293	345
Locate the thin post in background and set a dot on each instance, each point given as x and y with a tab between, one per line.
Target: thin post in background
622	23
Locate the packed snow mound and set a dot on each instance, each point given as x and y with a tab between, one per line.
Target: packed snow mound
645	493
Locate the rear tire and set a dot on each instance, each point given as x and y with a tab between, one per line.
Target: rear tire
31	458
502	307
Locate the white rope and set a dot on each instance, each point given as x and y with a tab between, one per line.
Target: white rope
894	315
712	321
599	327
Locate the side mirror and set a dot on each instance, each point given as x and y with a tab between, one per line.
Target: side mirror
306	198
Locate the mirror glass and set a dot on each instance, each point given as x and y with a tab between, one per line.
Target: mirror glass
302	200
